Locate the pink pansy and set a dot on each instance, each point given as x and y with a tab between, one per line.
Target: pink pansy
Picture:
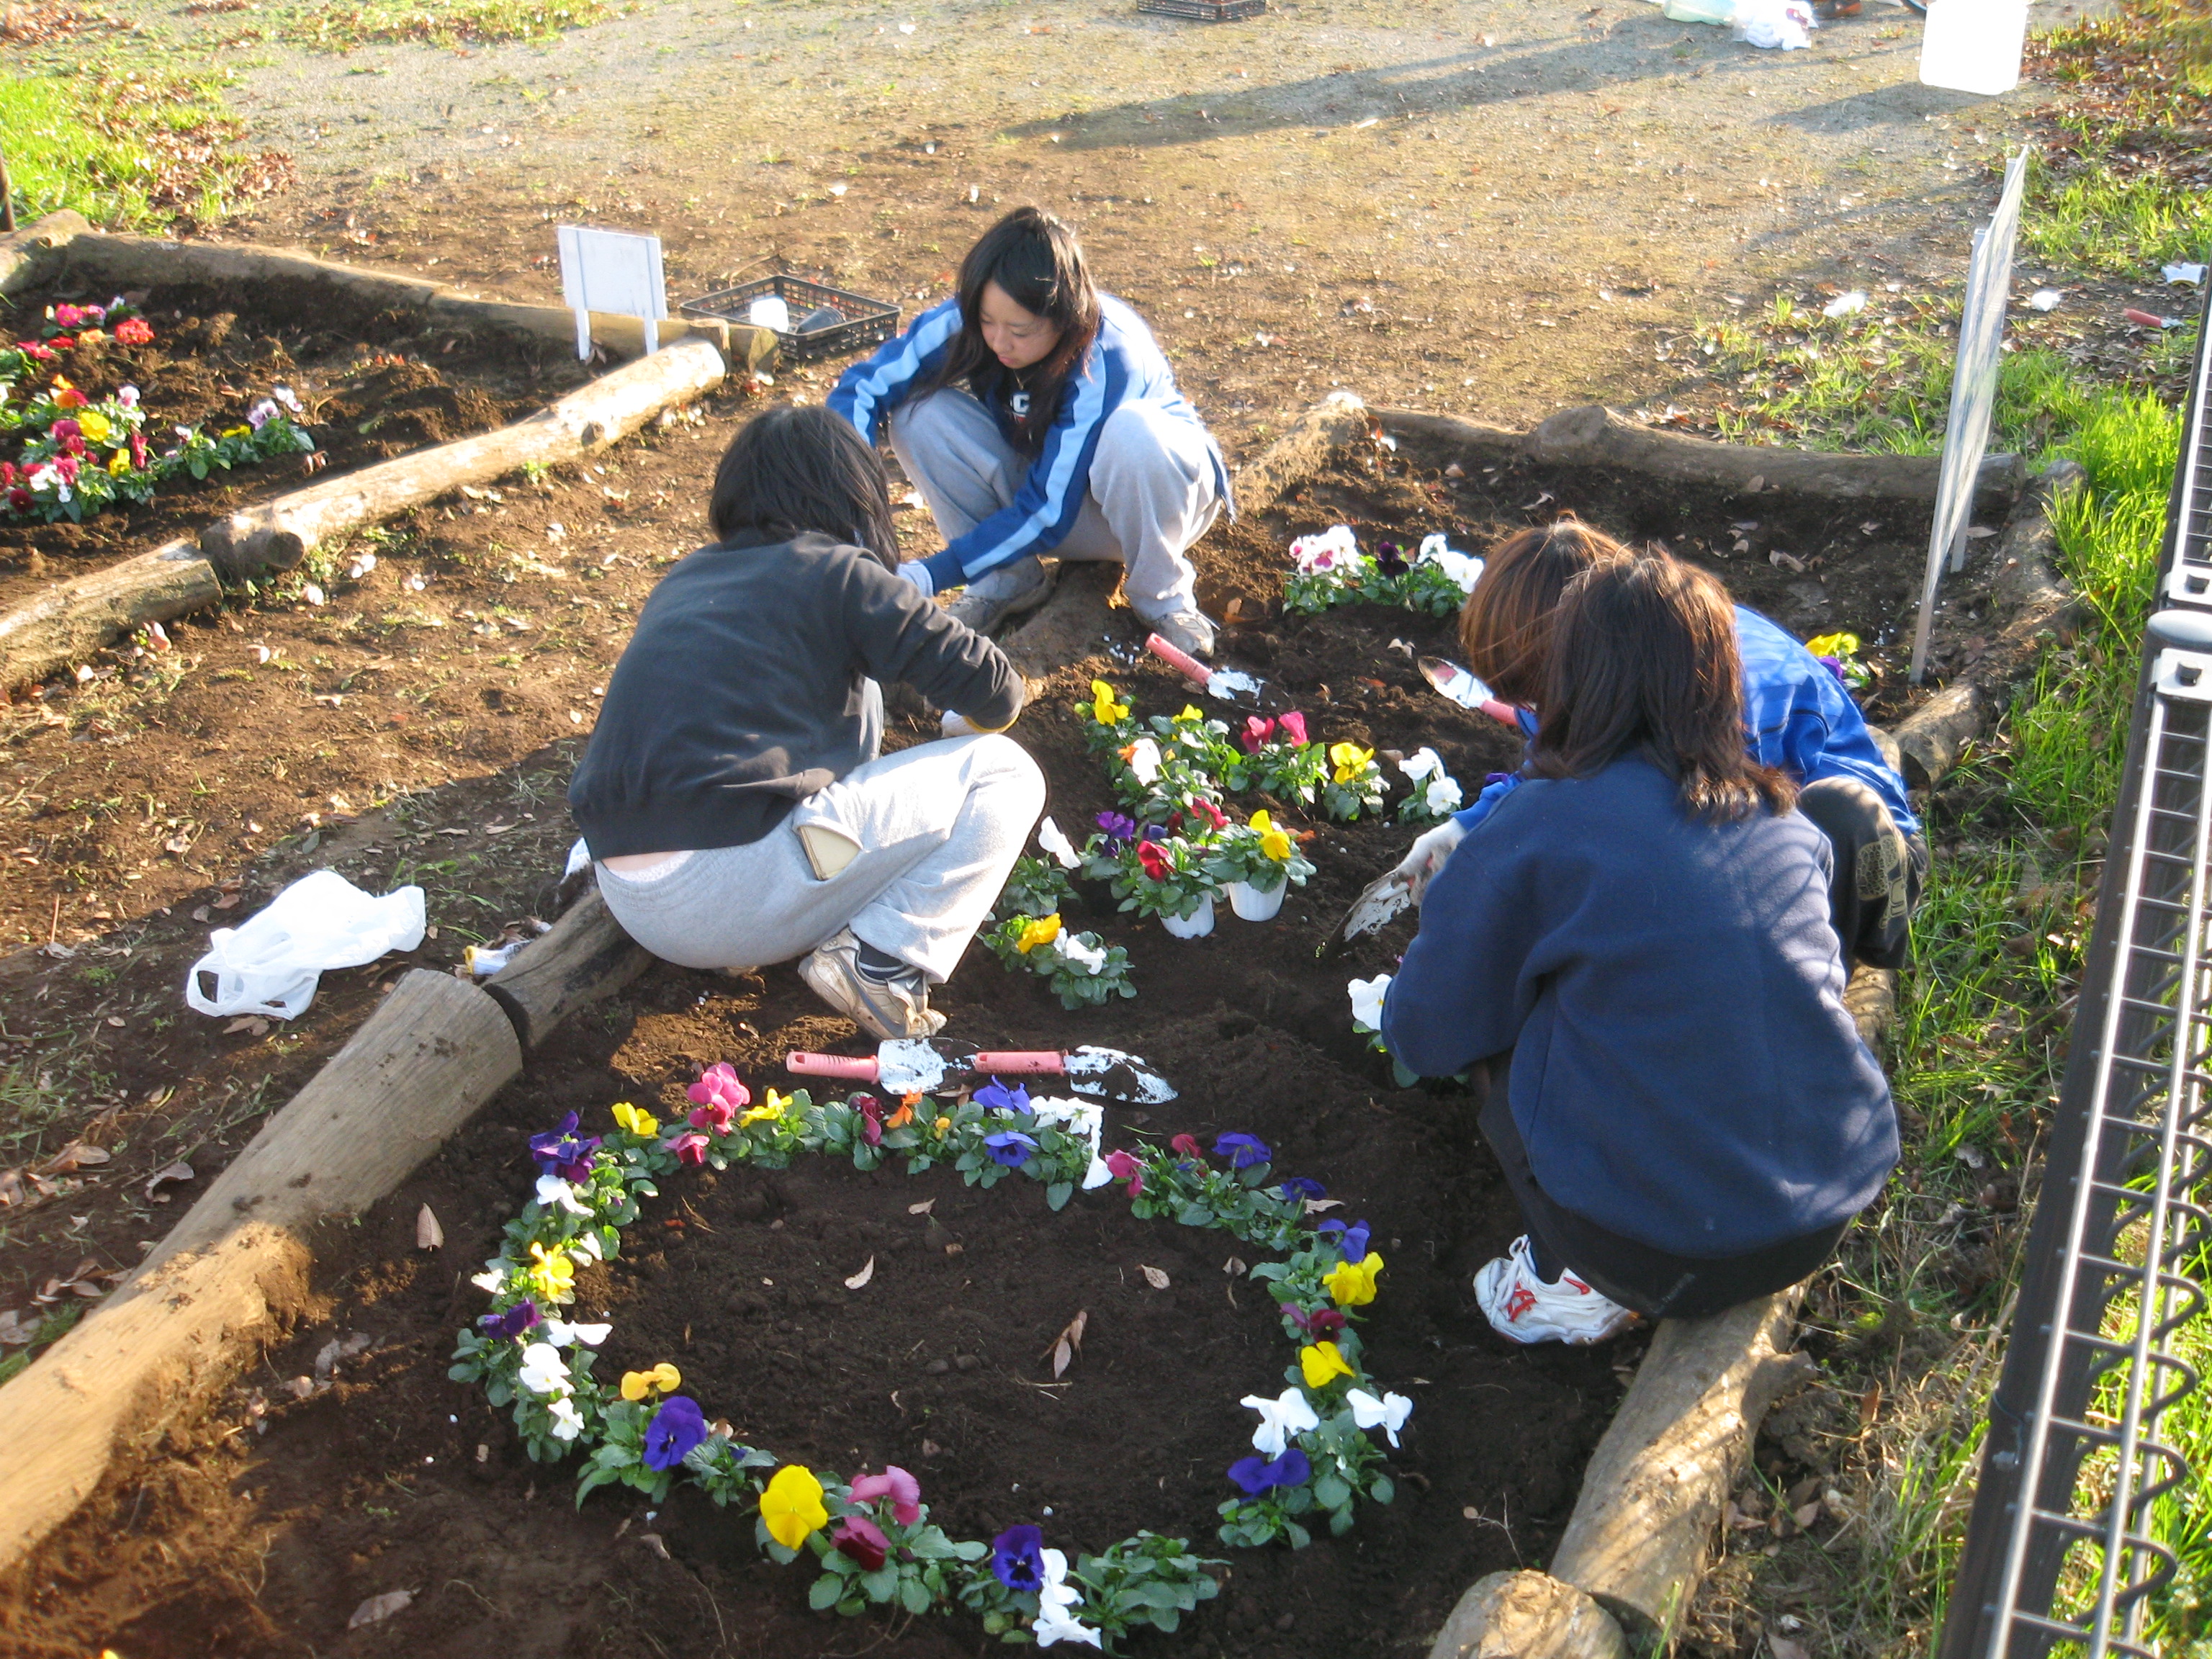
1294	727
863	1540
1125	1167
128	397
67	317
718	1085
689	1146
896	1484
64	430
1257	730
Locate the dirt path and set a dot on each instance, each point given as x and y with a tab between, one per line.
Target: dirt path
1496	207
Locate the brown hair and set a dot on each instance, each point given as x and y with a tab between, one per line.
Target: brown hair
1038	263
1644	660
1507	622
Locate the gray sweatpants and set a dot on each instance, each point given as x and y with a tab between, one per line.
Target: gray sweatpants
1152	490
939	827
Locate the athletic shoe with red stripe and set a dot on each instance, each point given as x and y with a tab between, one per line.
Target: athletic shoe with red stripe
1523	1307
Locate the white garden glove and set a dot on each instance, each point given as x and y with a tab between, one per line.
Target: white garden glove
1427	855
917	573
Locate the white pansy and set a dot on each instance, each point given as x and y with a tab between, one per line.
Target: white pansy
494	1277
553	1192
562	1334
1145	761
1463	568
1421	763
1083	1120
1056	1599
1291	1413
585	1245
542	1371
1367	996
1091	958
1054	840
1444	796
1333	546
1388	1413
568	1421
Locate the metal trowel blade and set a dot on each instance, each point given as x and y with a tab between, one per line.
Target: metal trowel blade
909	1066
1454	682
1117	1076
1383	898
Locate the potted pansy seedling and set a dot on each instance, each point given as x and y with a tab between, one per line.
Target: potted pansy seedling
1167	880
1258	863
1355	782
1437	794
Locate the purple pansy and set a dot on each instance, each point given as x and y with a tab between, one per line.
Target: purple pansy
863	1540
563	1152
1390	559
512	1322
1242	1151
678	1426
1257	1474
996	1096
1120	830
1018	1557
1323	1324
1354	1239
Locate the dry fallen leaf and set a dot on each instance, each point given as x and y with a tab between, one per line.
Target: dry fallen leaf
1782	560
253	1024
380	1607
1068	1343
922	1208
75	1155
861	1278
160	1177
1315	1206
1869	1406
18	1326
652	1541
12	1186
1758	482
1155	1278
429	1234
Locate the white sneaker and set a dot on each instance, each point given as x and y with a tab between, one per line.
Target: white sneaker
992	600
1523	1307
1187	630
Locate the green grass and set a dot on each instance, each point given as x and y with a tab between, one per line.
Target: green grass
129	151
345	24
2099	221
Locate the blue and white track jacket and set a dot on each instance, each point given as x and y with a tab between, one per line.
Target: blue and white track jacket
1124	365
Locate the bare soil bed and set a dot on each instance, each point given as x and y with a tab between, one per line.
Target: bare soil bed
235	1537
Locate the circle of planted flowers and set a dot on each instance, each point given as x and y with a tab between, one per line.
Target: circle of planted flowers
1314	1453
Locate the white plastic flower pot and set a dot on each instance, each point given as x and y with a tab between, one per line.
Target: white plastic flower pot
1197	924
1253	905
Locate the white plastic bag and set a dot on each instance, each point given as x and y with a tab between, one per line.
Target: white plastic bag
1788	24
269	964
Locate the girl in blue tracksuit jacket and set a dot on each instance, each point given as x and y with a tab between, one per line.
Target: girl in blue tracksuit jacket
1797	718
1037	415
1638	939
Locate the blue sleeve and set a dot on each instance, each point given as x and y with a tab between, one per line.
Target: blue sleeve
1487	803
1045	507
1460	994
869	390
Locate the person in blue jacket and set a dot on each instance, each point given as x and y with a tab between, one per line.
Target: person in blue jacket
1638	938
1037	415
1797	718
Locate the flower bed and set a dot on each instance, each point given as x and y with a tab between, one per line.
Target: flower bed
1313	1456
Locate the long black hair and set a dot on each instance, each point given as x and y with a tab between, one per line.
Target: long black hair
789	471
1036	260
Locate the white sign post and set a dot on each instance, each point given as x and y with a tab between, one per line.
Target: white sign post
612	270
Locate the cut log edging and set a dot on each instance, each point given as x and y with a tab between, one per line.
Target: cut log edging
77	615
172	1335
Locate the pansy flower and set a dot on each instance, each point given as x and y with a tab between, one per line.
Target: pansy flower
1010	1148
1257	1474
791	1507
1351	1284
1016	1558
862	1542
1041	931
996	1096
663	1379
1054	840
641	1124
768	1111
513	1322
678	1426
1321	1324
1353	1239
1125	1167
689	1146
1303	1187
872	1118
1274	840
568	1421
1293	726
134	330
1390	559
1350	761
896	1484
1322	1363
542	1371
1242	1151
1289	1413
550	1274
1104	708
1209	812
559	1148
1188	1146
1154	862
719	1089
1120	829
1258	729
1388	1413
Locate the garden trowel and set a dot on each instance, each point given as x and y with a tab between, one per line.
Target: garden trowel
1230	685
920	1066
1380	901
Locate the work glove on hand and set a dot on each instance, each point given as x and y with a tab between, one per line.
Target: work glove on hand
915	572
1427	855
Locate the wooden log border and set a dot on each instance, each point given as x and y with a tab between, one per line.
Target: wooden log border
238	1262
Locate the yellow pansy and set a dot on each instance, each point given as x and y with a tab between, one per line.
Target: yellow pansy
942	1125
550	1274
239	432
96	426
1274	840
635	1385
119	462
1351	1284
1322	1363
1042	931
792	1506
1190	715
1830	645
1103	709
768	1111
639	1123
1350	760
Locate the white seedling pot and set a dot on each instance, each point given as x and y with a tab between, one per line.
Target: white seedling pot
1197	924
1253	905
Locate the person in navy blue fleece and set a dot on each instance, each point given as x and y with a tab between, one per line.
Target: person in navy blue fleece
1798	718
1640	934
1037	415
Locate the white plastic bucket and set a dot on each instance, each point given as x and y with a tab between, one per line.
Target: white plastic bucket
1974	45
1197	924
1253	905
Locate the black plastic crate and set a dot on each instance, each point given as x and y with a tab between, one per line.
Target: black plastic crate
866	322
1205	11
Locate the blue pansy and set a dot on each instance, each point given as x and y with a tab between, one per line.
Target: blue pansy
1303	1186
678	1426
1354	1239
1257	1474
1010	1148
996	1096
1241	1151
1018	1557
